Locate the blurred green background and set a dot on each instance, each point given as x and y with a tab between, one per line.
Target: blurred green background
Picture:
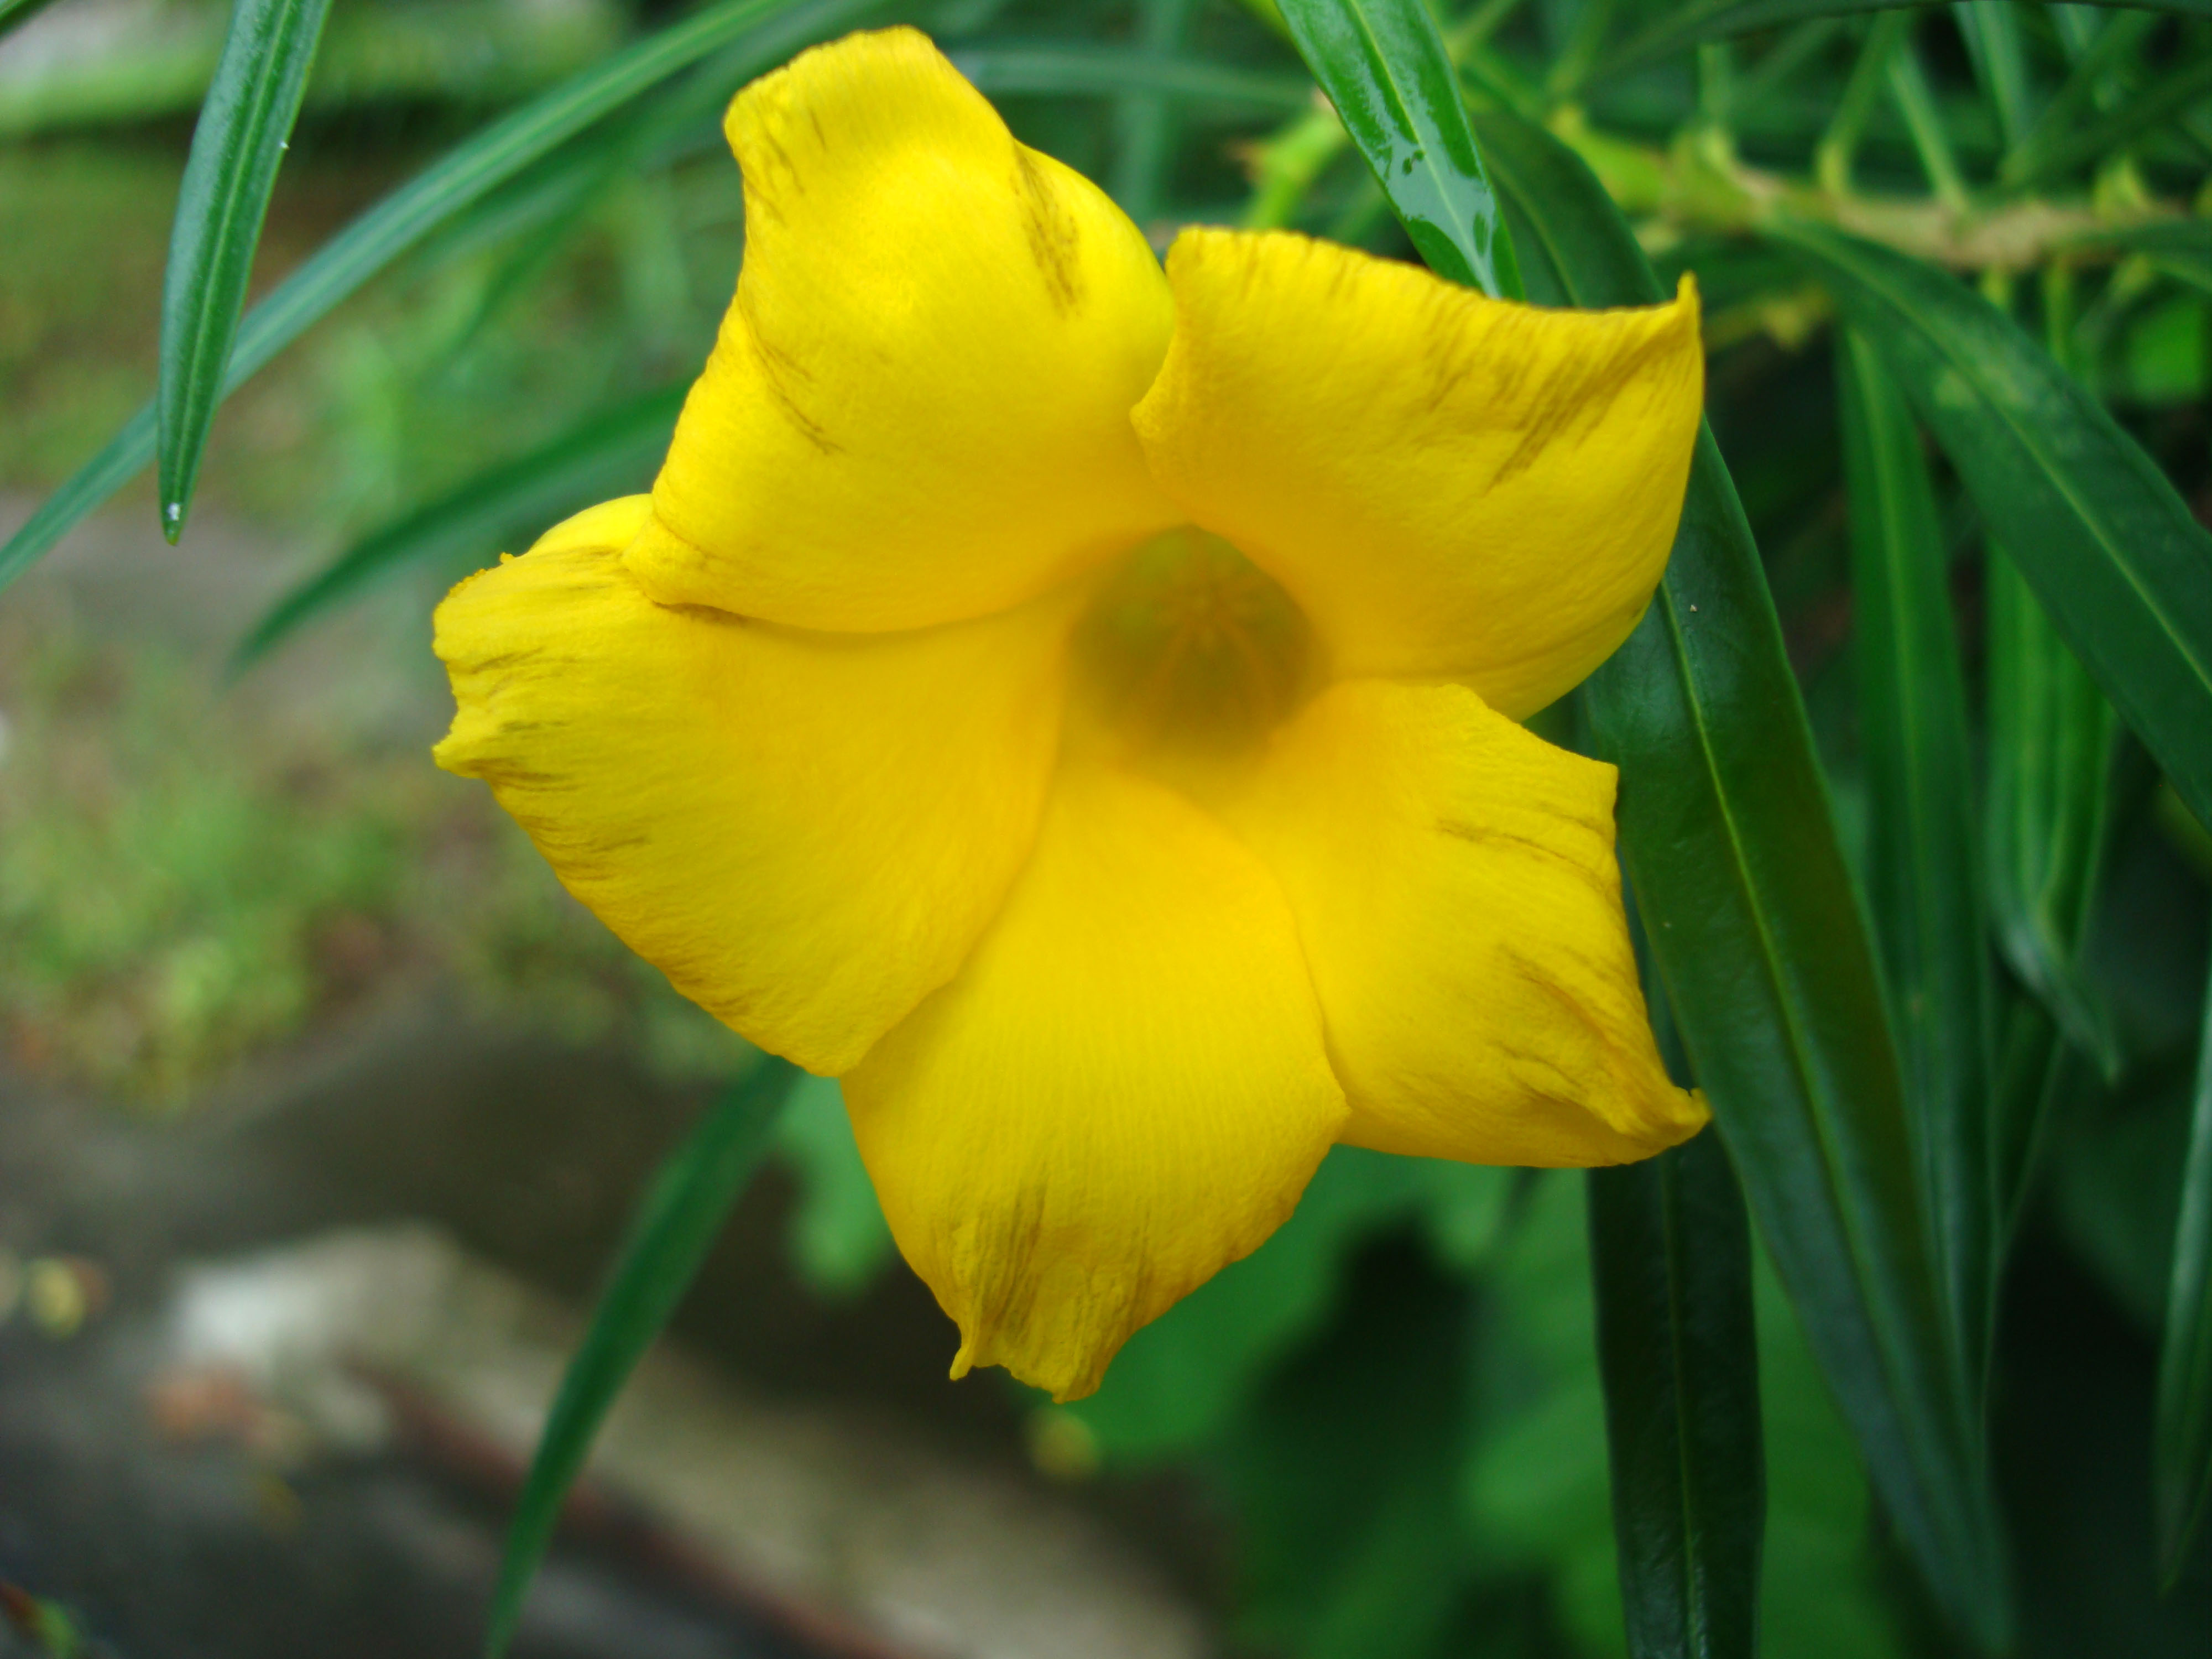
1382	1436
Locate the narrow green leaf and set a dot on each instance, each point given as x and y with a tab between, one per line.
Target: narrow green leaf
2109	547
1922	874
1087	70
1716	20
13	12
244	129
2183	1439
465	175
2052	738
1670	1252
2091	142
1145	122
683	1212
1991	29
1384	67
612	450
1727	836
2098	51
1923	120
2181	247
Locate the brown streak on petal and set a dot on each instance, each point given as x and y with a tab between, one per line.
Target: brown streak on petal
1593	400
777	367
1481	836
1051	231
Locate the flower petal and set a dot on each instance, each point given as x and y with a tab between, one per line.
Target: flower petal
918	408
1124	1091
1452	487
1453	881
806	832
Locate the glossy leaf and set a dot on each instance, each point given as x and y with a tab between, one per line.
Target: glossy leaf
465	175
1716	20
1923	878
2100	534
244	129
2183	1444
1384	67
683	1212
2051	737
1757	935
613	451
1671	1254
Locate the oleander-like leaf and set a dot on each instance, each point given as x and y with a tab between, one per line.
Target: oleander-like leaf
465	175
1759	938
2183	1444
608	453
2109	546
2080	143
1716	20
2181	247
1922	875
681	1212
1670	1251
244	129
1384	67
2052	738
1991	29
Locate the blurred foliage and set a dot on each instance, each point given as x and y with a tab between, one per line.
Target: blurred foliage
1395	1404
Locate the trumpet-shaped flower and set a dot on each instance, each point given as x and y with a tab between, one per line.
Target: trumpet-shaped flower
1075	703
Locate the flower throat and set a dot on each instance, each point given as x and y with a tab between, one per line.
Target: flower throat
1190	646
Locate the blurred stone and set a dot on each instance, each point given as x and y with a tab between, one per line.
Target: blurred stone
805	1501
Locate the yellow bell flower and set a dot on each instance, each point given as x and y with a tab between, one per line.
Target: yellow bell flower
1075	704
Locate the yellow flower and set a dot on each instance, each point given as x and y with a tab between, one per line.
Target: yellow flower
1076	704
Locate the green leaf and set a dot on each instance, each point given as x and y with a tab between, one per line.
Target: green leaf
2051	740
244	129
2184	1423
683	1212
1181	1377
611	451
2183	1436
1144	121
1731	847
465	175
1716	20
2084	142
13	12
2109	547
838	1238
1922	874
1991	31
2181	247
1384	67
1086	71
1671	1252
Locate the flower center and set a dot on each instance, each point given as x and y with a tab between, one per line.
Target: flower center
1191	649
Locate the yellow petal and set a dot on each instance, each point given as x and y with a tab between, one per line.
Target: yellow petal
806	832
918	408
1452	488
1456	890
1124	1091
